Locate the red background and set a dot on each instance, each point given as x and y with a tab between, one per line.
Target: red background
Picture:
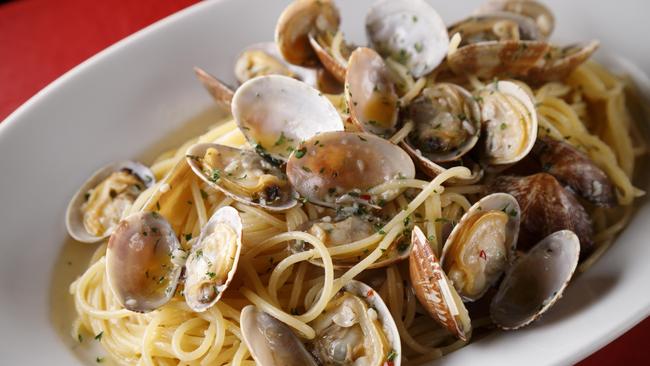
41	39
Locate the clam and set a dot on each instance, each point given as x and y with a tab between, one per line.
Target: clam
495	27
242	174
350	229
297	21
433	289
481	245
211	265
220	91
265	59
573	168
98	206
356	328
271	342
509	122
338	168
370	93
276	113
410	32
143	261
546	207
333	55
447	123
498	58
559	62
534	10
535	281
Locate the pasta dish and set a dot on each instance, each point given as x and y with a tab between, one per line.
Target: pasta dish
364	205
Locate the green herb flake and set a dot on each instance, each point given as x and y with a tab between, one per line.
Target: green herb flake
300	152
281	140
392	355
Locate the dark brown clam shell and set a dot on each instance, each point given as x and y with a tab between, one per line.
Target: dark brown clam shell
574	169
546	207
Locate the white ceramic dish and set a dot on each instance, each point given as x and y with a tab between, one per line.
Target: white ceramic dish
128	100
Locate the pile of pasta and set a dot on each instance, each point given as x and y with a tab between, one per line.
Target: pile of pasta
588	110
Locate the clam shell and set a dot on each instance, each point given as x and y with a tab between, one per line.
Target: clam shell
546	207
573	168
388	325
473	27
140	262
247	58
284	348
409	31
276	113
538	12
496	202
297	21
370	93
491	59
74	216
559	62
333	164
536	281
230	154
200	267
509	122
422	110
331	64
220	91
434	291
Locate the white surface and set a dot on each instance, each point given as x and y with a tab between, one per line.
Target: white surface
124	101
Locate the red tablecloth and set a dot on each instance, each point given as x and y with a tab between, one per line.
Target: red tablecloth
41	39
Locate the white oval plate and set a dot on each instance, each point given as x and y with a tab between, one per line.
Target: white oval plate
128	100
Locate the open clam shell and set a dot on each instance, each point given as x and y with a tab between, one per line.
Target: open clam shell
509	122
497	58
241	174
143	261
349	230
338	168
434	291
370	93
283	348
322	45
497	26
559	62
535	281
538	12
265	59
356	320
409	31
276	113
297	21
447	123
220	91
482	244
98	205
212	263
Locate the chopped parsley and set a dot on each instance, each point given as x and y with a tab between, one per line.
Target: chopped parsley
300	152
281	140
98	337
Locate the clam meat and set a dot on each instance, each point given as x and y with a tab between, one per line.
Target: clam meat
211	265
98	206
241	174
482	245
